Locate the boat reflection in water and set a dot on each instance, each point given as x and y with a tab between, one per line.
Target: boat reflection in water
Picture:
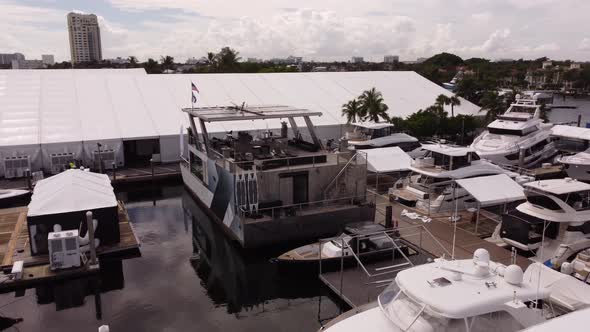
245	280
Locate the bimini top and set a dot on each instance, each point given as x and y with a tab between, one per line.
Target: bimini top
493	189
70	191
372	125
571	132
233	113
449	150
559	186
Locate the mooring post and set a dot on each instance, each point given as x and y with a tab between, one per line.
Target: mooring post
153	183
579	119
388	216
29	179
90	226
114	171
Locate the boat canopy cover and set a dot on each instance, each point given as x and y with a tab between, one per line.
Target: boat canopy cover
372	125
72	190
390	159
571	132
493	190
565	290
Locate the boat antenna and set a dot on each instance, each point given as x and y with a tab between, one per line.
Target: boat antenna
454	219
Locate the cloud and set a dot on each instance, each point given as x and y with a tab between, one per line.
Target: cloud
584	44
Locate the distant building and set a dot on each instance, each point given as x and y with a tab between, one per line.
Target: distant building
547	64
27	64
85	44
119	60
320	68
420	60
357	59
48	59
391	59
254	60
290	60
6	58
575	65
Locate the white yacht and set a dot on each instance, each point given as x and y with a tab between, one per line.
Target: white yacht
519	128
577	166
428	187
461	295
559	210
370	135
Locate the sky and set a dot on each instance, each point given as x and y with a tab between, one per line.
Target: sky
314	29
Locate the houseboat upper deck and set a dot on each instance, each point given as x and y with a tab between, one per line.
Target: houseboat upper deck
270	186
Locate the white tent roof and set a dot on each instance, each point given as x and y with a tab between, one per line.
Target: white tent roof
72	190
57	106
390	159
492	190
571	132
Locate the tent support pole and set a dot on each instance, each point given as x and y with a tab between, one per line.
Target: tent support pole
477	217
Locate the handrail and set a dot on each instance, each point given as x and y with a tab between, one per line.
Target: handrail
328	187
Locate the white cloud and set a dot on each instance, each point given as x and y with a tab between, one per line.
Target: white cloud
584	44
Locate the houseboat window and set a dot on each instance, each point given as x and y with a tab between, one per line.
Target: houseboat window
544	202
196	165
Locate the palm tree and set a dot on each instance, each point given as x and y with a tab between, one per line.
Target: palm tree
493	104
454	101
372	106
227	59
132	61
351	111
167	61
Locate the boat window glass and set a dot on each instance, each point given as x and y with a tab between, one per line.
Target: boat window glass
538	147
543	201
474	156
196	165
578	200
460	161
441	159
499	131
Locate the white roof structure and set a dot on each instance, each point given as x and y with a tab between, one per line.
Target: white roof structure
571	132
493	189
72	190
449	150
57	106
385	160
559	186
573	321
372	125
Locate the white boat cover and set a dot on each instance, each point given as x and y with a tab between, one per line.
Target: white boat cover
571	132
565	290
493	190
574	321
390	159
72	190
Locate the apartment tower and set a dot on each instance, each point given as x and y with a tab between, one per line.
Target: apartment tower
85	45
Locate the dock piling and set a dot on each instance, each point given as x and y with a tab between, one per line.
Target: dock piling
388	216
90	226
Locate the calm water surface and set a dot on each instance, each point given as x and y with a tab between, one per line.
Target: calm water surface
189	278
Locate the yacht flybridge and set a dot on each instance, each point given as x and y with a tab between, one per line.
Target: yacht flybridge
461	295
554	222
429	186
518	137
274	186
370	135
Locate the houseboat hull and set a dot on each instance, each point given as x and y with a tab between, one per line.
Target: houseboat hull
217	200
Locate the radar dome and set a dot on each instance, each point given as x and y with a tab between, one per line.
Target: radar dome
481	255
513	274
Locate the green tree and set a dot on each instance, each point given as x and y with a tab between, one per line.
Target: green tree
167	62
152	66
132	61
373	106
492	104
469	88
351	111
227	59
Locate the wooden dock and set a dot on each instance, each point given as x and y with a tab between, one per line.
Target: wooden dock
14	246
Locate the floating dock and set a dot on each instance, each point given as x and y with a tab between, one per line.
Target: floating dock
14	246
359	285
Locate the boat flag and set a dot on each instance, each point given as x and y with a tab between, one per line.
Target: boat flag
194	90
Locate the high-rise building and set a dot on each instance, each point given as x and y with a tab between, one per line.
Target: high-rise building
85	45
358	59
6	58
391	59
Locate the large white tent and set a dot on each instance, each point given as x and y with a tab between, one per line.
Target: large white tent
69	111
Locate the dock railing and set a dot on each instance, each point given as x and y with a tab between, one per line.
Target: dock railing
377	274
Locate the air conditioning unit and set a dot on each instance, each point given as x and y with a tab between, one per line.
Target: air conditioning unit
16	167
107	156
60	162
64	249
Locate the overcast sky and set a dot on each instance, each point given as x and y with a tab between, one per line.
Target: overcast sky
315	29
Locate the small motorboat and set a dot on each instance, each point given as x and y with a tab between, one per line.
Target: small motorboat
366	241
10	196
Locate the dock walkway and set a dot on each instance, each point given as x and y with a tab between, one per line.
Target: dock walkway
14	246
